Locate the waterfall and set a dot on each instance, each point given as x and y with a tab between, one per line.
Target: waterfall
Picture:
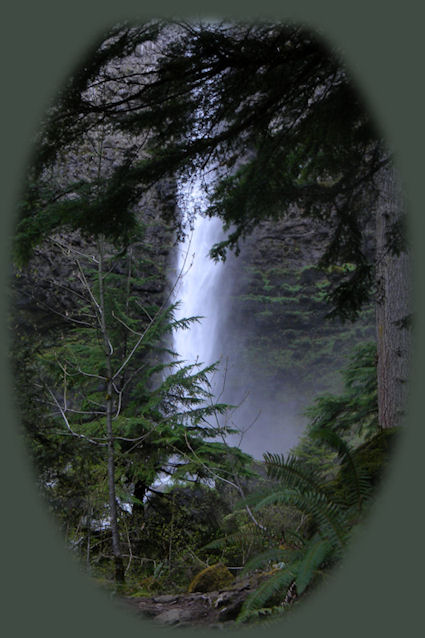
198	292
265	416
202	287
198	289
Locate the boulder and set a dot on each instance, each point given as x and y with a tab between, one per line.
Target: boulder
212	578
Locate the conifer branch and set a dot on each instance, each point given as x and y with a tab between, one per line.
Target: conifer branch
68	425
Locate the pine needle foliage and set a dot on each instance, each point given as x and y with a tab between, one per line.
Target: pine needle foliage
269	105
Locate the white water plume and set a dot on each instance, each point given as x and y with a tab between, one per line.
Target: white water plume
198	288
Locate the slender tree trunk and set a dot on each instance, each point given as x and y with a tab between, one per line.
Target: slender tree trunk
393	307
116	546
89	520
113	515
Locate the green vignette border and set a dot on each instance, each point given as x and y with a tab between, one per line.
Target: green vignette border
377	586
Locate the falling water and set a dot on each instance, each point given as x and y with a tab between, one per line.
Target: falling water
198	292
203	289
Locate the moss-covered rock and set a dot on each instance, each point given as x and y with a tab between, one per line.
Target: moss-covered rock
212	578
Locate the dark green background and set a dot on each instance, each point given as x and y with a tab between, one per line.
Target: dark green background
378	591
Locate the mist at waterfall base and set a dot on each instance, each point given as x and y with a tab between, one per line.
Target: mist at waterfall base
266	418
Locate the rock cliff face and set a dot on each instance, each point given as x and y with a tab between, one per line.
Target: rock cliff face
45	290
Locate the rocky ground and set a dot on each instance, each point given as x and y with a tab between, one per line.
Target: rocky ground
214	609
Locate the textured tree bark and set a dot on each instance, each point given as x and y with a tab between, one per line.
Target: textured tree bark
393	306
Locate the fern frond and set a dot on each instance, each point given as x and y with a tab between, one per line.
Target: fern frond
244	535
217	543
252	498
340	446
357	484
278	583
297	538
315	555
272	499
263	613
273	554
290	471
328	515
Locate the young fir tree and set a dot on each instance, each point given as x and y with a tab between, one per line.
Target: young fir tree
115	386
111	378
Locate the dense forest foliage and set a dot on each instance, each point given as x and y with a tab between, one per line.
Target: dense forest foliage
130	444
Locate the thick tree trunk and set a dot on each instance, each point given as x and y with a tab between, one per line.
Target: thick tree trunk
393	306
